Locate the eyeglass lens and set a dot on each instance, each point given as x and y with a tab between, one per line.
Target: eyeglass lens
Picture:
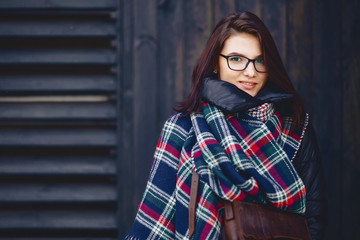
240	63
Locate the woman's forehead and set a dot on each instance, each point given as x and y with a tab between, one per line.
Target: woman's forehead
244	44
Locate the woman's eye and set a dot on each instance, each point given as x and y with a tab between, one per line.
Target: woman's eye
260	60
236	59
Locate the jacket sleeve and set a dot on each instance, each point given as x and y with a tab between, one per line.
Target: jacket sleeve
308	164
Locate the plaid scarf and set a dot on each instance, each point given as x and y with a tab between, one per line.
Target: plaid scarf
262	112
237	159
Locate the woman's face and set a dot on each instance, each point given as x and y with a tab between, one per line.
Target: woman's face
245	45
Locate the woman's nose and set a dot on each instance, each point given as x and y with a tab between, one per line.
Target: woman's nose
250	70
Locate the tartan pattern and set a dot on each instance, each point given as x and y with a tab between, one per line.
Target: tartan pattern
262	112
237	158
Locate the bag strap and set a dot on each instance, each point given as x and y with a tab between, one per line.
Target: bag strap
229	211
193	201
194	190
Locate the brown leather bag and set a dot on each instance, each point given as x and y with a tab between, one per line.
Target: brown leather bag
244	220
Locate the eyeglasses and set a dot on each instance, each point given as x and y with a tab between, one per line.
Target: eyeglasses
239	63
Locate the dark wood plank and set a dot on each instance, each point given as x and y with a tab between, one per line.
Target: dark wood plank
223	8
145	91
171	87
58	29
300	49
57	4
61	219
274	14
40	164
57	56
57	83
249	5
56	192
350	119
127	206
327	102
42	137
198	24
57	111
70	238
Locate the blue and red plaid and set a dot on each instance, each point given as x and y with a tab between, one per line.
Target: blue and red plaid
262	112
237	158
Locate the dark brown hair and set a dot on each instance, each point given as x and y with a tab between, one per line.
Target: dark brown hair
277	75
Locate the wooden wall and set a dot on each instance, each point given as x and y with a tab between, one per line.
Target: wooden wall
86	85
319	44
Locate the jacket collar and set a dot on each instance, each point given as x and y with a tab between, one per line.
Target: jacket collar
230	98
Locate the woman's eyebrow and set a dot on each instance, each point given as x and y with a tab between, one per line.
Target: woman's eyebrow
242	55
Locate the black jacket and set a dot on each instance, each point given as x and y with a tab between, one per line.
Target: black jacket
307	161
308	165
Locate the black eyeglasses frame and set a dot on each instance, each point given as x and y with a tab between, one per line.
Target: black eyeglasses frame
246	65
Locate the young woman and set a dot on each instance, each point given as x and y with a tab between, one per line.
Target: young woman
244	130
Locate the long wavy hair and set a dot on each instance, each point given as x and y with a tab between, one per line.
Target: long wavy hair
277	75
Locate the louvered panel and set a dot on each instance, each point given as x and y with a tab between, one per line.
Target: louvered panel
70	219
57	83
60	222
58	56
57	137
57	111
86	238
53	29
56	192
37	24
52	164
58	119
58	4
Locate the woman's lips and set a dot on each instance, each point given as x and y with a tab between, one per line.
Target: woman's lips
247	85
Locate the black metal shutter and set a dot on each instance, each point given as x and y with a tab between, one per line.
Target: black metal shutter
59	68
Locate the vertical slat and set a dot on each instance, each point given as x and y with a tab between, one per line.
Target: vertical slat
58	4
223	8
350	119
197	29
127	196
299	49
327	101
118	70
171	57
327	82
253	6
274	17
145	90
